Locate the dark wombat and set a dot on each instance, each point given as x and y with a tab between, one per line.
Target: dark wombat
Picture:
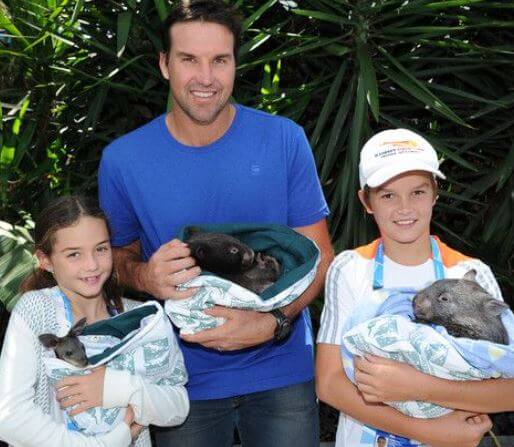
231	259
68	348
220	253
263	273
463	307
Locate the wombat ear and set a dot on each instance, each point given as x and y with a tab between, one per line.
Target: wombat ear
471	275
48	340
495	307
78	327
198	253
194	230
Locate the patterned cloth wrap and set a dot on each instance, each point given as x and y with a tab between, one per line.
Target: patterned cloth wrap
138	341
298	257
383	326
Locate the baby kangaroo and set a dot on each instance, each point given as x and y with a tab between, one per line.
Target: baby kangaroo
68	348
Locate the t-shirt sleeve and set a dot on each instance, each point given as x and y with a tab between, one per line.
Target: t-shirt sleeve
306	202
115	202
339	300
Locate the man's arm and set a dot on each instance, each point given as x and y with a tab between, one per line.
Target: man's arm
318	232
245	328
168	267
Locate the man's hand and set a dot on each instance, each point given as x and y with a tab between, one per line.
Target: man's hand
242	329
457	429
168	267
383	380
84	391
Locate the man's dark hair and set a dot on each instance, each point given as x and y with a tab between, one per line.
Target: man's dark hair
213	11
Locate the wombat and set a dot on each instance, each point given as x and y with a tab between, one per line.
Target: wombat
68	348
263	273
219	253
463	307
231	259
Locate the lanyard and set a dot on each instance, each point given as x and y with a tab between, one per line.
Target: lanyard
378	269
67	307
378	283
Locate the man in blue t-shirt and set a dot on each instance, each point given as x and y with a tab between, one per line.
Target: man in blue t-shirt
212	161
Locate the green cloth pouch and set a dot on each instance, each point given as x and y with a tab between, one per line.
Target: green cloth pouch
140	341
299	258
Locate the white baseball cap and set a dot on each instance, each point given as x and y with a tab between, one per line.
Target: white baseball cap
393	152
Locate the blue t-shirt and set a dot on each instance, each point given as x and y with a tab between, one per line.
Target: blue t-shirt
260	171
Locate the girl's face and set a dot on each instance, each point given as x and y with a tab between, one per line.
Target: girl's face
81	258
402	207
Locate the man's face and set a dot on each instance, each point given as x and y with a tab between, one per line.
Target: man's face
200	68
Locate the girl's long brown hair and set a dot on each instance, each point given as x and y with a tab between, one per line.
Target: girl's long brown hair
61	213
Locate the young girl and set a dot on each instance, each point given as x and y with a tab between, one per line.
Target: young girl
75	280
398	189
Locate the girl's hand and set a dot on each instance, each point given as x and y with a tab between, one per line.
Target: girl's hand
457	429
383	380
134	427
84	391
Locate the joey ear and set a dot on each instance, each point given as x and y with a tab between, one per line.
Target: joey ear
49	340
78	327
471	275
494	306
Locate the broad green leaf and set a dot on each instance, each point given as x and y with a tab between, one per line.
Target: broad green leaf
124	21
453	3
328	105
162	9
7	155
418	90
339	125
323	16
8	25
506	169
369	78
247	23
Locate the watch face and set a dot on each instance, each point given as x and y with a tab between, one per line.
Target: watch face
283	330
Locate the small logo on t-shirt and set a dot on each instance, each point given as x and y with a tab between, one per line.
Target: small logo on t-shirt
255	169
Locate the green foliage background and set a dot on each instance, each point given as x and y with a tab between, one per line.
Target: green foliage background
76	74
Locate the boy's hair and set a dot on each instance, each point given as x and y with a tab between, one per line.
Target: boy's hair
62	213
433	183
213	11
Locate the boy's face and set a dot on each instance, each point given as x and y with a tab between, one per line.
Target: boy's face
402	207
200	68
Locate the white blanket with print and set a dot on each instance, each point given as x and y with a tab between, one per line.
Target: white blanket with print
147	352
383	326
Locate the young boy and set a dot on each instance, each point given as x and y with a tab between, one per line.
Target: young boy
398	188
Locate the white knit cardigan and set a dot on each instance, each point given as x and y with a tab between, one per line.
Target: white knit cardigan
29	415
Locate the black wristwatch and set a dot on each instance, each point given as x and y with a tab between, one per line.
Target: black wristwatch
283	325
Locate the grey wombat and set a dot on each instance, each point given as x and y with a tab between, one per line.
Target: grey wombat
231	259
463	307
68	348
